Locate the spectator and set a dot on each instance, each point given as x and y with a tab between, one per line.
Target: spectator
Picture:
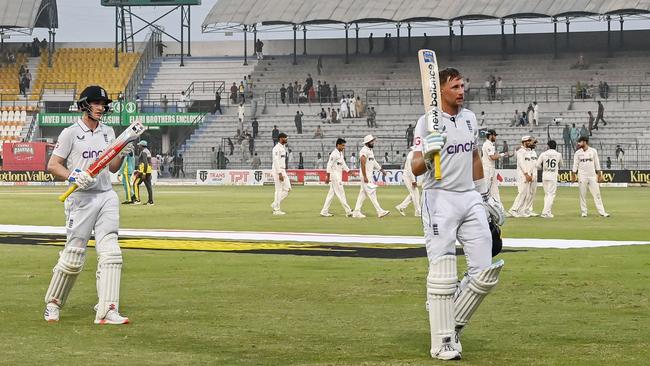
522	119
360	107
335	116
290	91
386	158
256	126
535	113
619	156
580	63
353	162
214	161
605	90
575	133
251	144
608	163
161	48
328	118
566	136
256	163
371	44
244	148
178	166
583	131
28	78
231	146
319	64
352	106
275	133
323	115
530	113
372	117
182	103
283	94
241	112
233	93
344	108
482	118
259	47
590	122
242	92
297	119
301	161
311	94
163	101
309	82
499	87
318	133
319	162
217	103
486	86
139	104
601	112
335	94
409	135
222	160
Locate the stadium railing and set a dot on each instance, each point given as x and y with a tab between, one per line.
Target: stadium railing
624	92
274	98
141	68
512	94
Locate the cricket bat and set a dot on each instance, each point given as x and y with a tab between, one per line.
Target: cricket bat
431	97
130	134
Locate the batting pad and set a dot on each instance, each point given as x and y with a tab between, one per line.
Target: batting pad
473	290
441	287
109	273
65	272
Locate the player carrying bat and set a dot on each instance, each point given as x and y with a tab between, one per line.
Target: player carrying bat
94	206
454	209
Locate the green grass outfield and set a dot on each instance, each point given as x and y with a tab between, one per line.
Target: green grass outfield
552	307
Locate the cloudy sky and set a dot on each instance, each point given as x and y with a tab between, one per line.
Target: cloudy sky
88	21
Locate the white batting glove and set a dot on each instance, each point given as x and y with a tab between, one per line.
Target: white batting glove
493	208
433	144
128	149
82	179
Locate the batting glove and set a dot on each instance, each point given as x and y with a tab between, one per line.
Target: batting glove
82	179
493	208
433	143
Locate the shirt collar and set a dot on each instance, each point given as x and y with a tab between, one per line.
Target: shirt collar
85	128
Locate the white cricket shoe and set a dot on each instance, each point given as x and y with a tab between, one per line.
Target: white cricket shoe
358	215
51	313
383	214
513	213
418	215
400	210
326	214
278	212
112	317
532	213
583	214
348	214
547	216
446	352
455	342
605	214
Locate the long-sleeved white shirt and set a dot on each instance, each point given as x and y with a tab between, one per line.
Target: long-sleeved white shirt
371	162
586	163
549	161
487	151
336	165
279	159
408	173
526	160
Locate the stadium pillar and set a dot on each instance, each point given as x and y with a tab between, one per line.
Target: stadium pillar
245	46
304	39
462	36
568	42
295	29
620	43
356	29
409	37
399	53
347	51
609	36
554	37
182	44
503	38
117	60
514	34
451	40
254	38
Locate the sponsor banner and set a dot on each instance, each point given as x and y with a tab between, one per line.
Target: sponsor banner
123	119
233	177
40	176
611	178
296	177
24	156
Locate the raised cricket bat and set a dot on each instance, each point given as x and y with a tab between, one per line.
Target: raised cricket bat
130	134
431	97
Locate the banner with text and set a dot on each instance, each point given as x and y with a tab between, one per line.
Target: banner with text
122	119
296	177
22	156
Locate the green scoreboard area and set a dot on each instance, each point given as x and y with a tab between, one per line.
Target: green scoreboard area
149	2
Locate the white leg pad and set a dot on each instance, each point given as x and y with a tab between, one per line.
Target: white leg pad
109	273
441	287
472	291
65	272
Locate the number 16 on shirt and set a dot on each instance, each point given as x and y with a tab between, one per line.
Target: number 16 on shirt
431	97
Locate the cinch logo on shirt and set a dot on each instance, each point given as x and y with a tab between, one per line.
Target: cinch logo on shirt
91	154
460	148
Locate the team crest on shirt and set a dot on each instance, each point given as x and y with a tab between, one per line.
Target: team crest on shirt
469	125
106	138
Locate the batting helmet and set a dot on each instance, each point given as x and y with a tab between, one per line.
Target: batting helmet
93	93
497	242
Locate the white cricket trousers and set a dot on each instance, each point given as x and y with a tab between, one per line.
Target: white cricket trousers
523	189
336	189
413	196
448	217
371	192
550	187
88	211
491	178
282	189
590	183
530	196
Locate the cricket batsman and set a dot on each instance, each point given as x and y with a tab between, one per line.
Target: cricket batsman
550	162
280	178
94	206
335	167
411	184
455	208
367	165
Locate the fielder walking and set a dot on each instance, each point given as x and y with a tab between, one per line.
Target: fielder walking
489	157
368	164
411	184
280	178
587	167
524	177
335	167
454	209
549	161
94	206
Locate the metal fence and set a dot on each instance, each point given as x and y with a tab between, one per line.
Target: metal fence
148	53
513	94
619	93
275	98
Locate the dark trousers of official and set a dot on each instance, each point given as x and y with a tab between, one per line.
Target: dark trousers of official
147	183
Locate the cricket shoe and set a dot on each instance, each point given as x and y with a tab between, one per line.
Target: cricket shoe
583	215
513	213
605	214
279	213
547	216
136	202
383	214
51	313
113	318
446	351
400	210
358	215
348	214
532	214
326	214
150	203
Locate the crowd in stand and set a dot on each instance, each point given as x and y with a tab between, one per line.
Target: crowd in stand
493	87
528	117
239	93
24	79
295	93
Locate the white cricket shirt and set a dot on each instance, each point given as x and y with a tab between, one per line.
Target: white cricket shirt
336	165
549	161
586	163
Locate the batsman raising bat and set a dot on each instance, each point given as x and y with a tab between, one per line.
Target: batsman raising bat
82	152
456	207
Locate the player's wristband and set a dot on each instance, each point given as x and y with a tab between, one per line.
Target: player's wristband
482	188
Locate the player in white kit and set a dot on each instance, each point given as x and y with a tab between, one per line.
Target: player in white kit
280	178
94	206
524	177
531	162
587	167
411	184
368	164
489	156
335	167
454	209
549	161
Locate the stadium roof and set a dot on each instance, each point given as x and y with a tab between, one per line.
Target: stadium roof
27	13
251	12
